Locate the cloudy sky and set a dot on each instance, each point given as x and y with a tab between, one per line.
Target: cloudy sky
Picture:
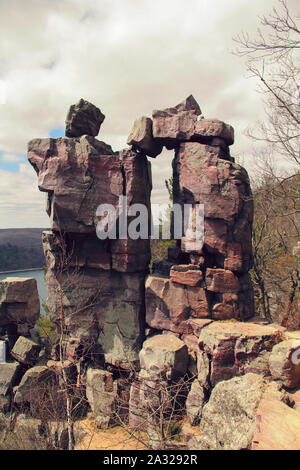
128	57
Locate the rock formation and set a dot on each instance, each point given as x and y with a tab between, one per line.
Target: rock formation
148	346
205	173
102	291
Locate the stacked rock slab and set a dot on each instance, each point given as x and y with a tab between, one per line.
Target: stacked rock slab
214	281
98	284
19	311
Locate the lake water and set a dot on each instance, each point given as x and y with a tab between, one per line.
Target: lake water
38	274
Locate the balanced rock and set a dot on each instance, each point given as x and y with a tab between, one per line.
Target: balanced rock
83	118
184	122
141	137
173	125
79	174
74	173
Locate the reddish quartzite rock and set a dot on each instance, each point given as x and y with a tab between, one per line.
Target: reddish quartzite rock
33	385
213	128
236	348
183	122
234	258
186	274
169	305
277	424
176	124
79	174
100	307
83	118
201	175
141	137
221	280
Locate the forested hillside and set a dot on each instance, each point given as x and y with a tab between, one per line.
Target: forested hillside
21	249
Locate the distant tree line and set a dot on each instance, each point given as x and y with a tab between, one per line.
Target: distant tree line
13	257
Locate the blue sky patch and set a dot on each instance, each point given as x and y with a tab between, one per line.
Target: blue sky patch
58	132
12	166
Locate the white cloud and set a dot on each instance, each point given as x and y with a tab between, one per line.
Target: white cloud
22	205
128	58
11	158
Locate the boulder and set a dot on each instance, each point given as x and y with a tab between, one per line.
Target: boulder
195	402
83	118
102	395
169	305
141	137
285	363
221	280
186	274
151	398
19	301
30	433
26	351
35	386
164	356
277	424
228	419
137	406
236	348
214	128
173	125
